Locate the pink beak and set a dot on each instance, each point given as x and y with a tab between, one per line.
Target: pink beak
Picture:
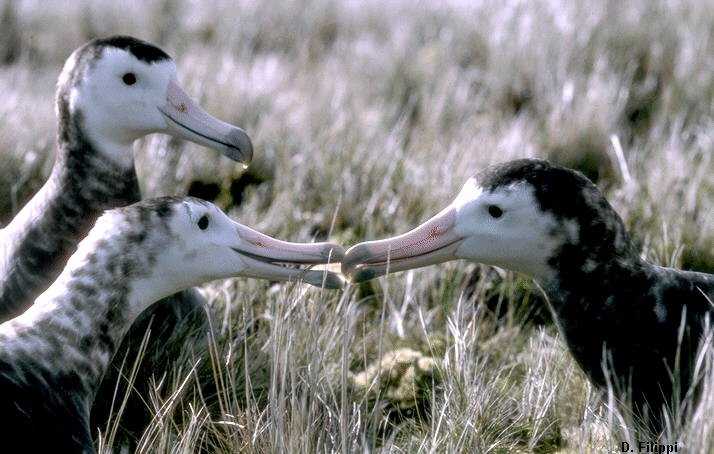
266	258
434	241
186	119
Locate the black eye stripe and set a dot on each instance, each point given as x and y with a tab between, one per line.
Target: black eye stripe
129	78
495	211
203	222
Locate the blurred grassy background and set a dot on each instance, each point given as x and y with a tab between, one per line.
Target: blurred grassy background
367	117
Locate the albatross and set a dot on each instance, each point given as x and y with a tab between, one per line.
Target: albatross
626	321
54	355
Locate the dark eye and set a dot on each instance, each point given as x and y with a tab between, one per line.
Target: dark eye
203	222
495	211
129	78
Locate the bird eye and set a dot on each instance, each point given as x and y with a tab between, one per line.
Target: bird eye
129	78
495	211
203	222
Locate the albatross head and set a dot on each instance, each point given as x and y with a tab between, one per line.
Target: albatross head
188	241
116	90
525	215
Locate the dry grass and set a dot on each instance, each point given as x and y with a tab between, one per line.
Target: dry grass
367	117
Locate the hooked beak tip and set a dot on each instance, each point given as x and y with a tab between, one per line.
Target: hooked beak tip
241	147
354	257
334	253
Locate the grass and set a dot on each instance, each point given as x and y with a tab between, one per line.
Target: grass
367	117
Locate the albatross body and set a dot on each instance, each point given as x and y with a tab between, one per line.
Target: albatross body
54	355
111	92
620	315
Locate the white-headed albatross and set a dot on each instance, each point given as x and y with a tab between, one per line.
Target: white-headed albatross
53	356
111	92
552	223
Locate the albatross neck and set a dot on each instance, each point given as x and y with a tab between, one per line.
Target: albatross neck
74	328
84	182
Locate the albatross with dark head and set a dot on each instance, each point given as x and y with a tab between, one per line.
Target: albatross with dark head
111	92
54	355
618	313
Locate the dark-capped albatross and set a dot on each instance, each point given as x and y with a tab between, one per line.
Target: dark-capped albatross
620	315
53	356
111	92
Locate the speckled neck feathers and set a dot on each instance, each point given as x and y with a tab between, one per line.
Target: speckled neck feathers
54	355
73	329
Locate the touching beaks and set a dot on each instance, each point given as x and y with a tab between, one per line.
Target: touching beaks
435	241
269	258
186	119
